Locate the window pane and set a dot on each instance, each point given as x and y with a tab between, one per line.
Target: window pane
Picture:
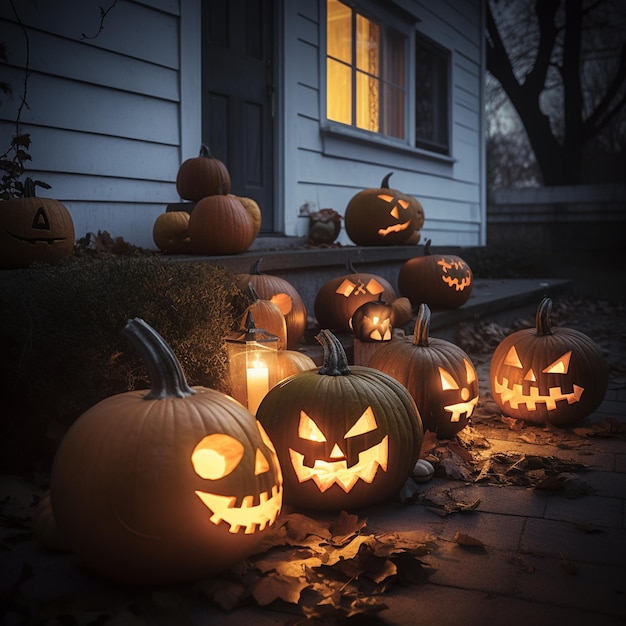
367	98
339	31
393	111
394	58
367	45
339	92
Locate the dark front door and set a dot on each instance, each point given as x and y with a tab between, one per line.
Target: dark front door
238	94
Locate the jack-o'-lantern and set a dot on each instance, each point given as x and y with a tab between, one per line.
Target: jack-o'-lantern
166	486
171	232
372	321
346	437
338	298
437	373
442	281
34	229
380	216
283	294
266	315
547	375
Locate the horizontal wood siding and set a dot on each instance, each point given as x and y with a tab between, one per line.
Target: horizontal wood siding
103	111
329	169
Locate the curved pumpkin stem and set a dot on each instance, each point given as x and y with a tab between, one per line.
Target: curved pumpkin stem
385	183
166	374
256	267
542	319
350	267
427	251
205	152
422	326
254	296
29	188
335	359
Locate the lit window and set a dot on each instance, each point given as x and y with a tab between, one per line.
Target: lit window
431	96
365	68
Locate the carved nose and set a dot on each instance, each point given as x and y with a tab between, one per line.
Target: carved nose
336	452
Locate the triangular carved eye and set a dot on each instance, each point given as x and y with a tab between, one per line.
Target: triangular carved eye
560	366
365	424
447	382
512	358
260	463
470	371
403	203
40	221
216	456
385	197
308	429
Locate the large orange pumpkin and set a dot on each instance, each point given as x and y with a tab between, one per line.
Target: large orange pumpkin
34	229
168	485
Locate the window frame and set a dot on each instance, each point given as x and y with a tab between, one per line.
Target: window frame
346	141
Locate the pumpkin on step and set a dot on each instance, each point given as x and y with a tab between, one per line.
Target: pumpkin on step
438	374
34	229
346	437
283	294
338	298
381	216
165	486
171	232
202	176
442	281
547	375
266	315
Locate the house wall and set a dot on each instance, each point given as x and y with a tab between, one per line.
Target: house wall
325	169
110	116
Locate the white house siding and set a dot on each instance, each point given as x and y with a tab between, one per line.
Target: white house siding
105	116
325	170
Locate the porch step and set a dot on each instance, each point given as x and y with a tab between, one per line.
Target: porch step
307	269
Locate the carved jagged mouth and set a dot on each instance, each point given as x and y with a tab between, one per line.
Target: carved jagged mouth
515	395
396	228
459	285
33	240
248	517
326	473
461	407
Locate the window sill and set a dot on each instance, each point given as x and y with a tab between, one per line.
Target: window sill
339	140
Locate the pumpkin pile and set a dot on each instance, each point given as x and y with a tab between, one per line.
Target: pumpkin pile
214	222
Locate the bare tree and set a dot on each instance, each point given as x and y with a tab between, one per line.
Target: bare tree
562	64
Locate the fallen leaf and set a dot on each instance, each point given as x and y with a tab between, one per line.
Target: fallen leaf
463	539
274	587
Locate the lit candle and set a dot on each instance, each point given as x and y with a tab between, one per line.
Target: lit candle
257	384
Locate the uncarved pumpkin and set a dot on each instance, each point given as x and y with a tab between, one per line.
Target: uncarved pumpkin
442	281
168	485
33	230
220	225
438	374
202	176
283	294
548	375
347	437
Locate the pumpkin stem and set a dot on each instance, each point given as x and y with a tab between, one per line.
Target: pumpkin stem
254	295
256	267
205	152
335	359
166	374
422	326
427	251
385	183
350	267
542	320
29	188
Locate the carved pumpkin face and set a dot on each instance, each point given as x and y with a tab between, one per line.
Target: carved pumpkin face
338	298
372	321
383	216
34	230
228	464
442	281
438	374
544	375
345	437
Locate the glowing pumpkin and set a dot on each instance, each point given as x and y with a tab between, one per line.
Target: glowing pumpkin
437	373
380	216
347	437
372	321
283	294
165	486
442	281
546	375
34	229
338	298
